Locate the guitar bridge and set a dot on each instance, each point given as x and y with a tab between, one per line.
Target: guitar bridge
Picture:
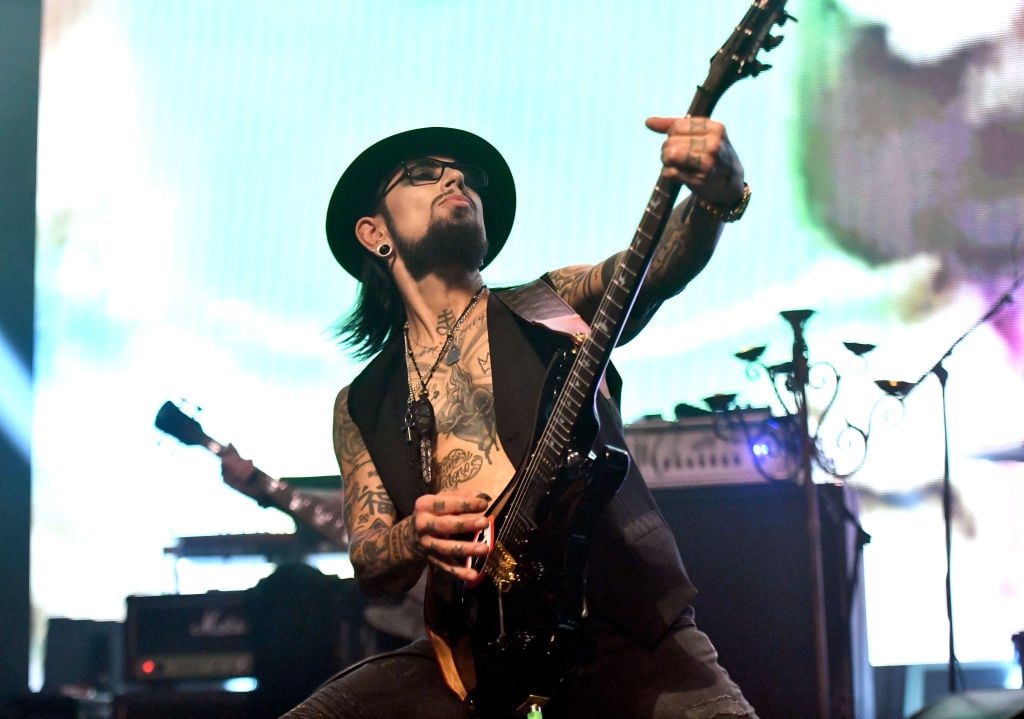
501	567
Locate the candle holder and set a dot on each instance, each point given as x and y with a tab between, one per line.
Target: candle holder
795	440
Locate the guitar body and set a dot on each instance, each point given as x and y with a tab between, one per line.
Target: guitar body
518	633
528	639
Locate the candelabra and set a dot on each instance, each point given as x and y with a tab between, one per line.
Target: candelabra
788	445
787	448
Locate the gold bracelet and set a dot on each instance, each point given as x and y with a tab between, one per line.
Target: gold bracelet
727	215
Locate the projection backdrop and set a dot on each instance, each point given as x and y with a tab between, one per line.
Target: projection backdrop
187	152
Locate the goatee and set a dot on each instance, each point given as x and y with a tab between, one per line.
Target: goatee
448	244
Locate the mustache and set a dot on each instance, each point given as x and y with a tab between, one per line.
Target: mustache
448	193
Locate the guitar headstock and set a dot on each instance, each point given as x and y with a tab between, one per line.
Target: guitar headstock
737	58
179	425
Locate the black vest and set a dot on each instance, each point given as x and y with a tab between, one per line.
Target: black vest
637	580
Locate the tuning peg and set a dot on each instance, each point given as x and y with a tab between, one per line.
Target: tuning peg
772	41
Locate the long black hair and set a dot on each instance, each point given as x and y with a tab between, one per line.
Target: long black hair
377	316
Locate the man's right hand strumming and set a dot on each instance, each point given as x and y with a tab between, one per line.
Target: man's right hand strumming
446	525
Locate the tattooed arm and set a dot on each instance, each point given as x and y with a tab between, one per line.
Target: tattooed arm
383	552
697	153
388	556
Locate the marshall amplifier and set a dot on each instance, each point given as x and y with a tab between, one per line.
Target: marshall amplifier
179	637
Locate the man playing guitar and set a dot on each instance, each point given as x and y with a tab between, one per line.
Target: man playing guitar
430	435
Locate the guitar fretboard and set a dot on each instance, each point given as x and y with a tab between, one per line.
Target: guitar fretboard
323	516
589	364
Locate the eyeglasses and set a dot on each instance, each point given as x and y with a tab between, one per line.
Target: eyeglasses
427	171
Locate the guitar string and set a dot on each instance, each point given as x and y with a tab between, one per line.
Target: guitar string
520	492
656	209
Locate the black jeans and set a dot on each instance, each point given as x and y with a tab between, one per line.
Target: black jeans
680	678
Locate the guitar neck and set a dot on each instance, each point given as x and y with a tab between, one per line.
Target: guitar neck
594	353
323	516
606	328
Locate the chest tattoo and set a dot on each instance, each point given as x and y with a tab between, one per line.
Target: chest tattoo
458	468
468	411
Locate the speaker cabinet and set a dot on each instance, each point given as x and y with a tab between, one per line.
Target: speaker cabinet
47	705
977	704
161	704
747	549
83	653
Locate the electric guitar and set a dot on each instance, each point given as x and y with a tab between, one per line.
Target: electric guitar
509	641
321	515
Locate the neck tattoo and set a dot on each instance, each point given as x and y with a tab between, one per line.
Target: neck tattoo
419	415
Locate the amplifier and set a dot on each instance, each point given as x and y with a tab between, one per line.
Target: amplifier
180	637
191	704
693	451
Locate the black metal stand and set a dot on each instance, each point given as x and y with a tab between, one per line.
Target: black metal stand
799	381
901	390
947	518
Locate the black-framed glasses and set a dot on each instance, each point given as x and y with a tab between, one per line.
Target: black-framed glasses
427	171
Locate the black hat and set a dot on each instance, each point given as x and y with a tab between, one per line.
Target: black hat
355	195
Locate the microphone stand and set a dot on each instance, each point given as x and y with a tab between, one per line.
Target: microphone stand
947	520
900	390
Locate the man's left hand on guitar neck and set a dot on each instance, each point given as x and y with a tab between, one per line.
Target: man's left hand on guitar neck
698	154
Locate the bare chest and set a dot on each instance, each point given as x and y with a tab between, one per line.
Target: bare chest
468	454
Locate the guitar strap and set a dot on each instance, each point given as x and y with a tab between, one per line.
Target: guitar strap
539	304
456	663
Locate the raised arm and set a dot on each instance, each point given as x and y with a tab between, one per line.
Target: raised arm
388	554
698	154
